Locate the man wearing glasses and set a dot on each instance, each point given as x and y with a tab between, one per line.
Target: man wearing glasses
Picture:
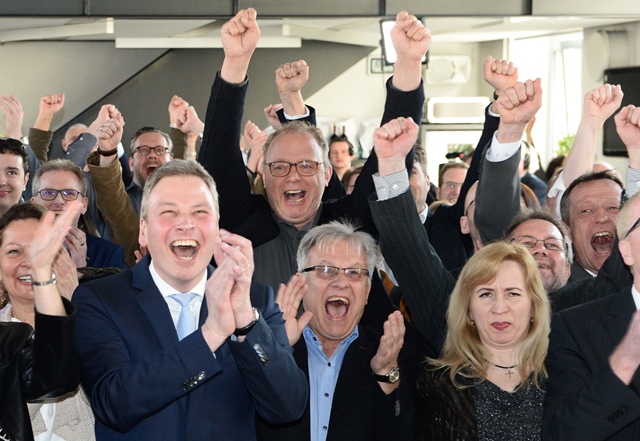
594	355
349	366
548	242
55	184
150	148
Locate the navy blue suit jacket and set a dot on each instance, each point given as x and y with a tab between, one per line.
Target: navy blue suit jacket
103	253
144	383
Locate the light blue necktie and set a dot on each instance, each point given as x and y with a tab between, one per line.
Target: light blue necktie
186	321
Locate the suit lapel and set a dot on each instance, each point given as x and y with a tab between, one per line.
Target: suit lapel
620	313
356	363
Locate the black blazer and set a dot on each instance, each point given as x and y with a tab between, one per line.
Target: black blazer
585	400
360	410
32	368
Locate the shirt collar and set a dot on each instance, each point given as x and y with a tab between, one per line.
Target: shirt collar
166	290
636	296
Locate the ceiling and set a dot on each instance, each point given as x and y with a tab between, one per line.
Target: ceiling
287	32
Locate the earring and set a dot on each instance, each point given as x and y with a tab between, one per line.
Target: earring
472	322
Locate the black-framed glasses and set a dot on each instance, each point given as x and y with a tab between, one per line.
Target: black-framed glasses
633	227
68	194
328	272
281	169
144	150
551	244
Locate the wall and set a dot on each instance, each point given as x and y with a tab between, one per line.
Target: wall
84	71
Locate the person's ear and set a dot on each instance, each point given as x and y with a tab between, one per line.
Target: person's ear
464	225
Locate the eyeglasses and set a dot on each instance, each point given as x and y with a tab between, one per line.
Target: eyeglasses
328	272
49	194
531	242
281	169
145	150
633	227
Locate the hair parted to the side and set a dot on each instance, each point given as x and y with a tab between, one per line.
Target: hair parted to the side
327	236
565	202
463	353
177	167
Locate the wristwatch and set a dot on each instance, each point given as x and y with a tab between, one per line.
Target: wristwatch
245	329
392	377
107	152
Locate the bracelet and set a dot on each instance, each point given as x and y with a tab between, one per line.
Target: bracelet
174	126
48	282
107	152
190	153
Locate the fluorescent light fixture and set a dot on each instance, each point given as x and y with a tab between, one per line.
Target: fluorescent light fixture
388	51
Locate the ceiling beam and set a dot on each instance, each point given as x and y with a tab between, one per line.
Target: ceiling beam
200	43
99	27
344	37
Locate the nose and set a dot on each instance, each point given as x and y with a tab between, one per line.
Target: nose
499	304
293	174
184	221
601	215
539	248
341	280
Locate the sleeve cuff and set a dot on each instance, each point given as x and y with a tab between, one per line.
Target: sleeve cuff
498	151
392	185
633	181
294	117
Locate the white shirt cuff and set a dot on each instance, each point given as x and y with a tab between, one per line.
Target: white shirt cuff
392	185
498	151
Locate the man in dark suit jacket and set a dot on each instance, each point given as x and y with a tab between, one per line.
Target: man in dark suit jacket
358	388
594	354
203	382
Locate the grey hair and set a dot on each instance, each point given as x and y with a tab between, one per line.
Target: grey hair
177	167
326	236
298	128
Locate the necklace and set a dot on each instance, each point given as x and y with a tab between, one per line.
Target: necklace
507	368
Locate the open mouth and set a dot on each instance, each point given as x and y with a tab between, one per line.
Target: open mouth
184	249
151	168
25	279
337	307
602	242
294	196
543	265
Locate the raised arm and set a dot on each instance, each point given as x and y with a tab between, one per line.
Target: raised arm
240	211
40	134
424	281
499	184
599	104
111	195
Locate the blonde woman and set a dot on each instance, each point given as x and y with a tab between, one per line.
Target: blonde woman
489	382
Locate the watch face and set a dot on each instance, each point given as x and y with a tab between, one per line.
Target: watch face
394	375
